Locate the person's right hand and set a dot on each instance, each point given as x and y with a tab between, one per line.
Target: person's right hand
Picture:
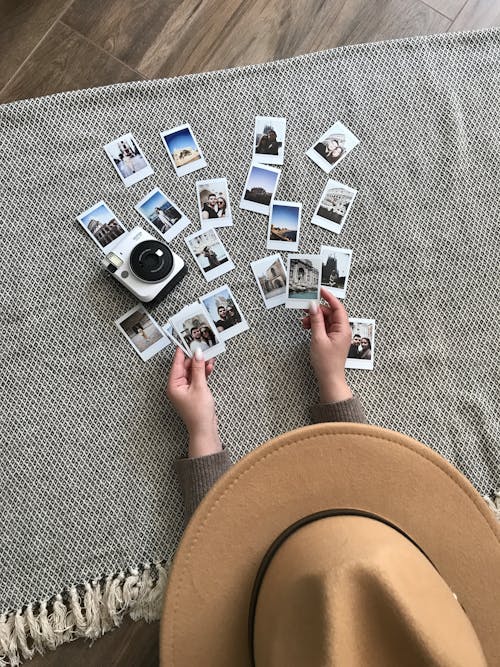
330	341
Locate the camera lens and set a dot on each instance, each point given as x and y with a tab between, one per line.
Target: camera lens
151	260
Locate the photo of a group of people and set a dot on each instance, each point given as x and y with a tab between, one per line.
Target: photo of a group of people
270	276
128	159
334	206
362	349
183	150
213	203
162	214
102	225
209	254
335	268
269	140
332	147
197	331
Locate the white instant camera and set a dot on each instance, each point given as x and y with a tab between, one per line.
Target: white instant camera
145	266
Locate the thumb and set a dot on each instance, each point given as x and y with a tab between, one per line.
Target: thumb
198	368
317	320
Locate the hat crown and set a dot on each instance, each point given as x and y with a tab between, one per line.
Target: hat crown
349	590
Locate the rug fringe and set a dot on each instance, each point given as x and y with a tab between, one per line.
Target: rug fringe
92	609
494	503
88	610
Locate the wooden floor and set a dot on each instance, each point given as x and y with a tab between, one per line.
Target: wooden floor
54	45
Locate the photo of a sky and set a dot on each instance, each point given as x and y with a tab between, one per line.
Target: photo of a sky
180	140
262	178
285	217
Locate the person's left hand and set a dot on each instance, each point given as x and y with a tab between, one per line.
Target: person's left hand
188	392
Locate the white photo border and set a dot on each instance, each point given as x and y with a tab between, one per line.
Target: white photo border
285	246
133	178
236	329
152	349
327	249
302	303
191	166
256	265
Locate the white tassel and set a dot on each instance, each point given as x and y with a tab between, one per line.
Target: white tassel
8	640
114	598
48	635
35	630
22	640
131	589
494	504
141	607
137	593
4	638
78	620
91	603
59	619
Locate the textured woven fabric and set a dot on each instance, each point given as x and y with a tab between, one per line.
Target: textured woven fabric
88	437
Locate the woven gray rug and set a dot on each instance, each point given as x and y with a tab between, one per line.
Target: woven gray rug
91	509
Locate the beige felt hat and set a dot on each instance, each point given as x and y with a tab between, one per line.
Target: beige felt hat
336	544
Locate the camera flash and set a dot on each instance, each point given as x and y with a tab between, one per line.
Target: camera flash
114	259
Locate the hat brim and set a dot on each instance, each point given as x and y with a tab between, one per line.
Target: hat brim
305	471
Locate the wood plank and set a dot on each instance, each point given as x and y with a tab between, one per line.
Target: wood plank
449	8
478	14
24	24
133	644
65	61
189	37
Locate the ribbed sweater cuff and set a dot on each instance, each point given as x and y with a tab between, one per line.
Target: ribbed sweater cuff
350	410
196	476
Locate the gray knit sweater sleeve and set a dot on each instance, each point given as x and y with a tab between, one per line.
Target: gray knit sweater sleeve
198	475
350	410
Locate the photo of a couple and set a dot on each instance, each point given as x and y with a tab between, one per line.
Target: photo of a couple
269	140
213	205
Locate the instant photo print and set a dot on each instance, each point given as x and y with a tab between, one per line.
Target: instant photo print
102	225
362	349
334	206
332	147
225	313
195	328
183	150
270	276
213	203
169	332
142	332
284	226
260	188
209	254
162	214
128	160
335	268
269	140
303	280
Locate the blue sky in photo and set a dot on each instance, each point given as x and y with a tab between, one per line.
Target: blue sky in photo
102	213
262	178
157	200
180	139
285	216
